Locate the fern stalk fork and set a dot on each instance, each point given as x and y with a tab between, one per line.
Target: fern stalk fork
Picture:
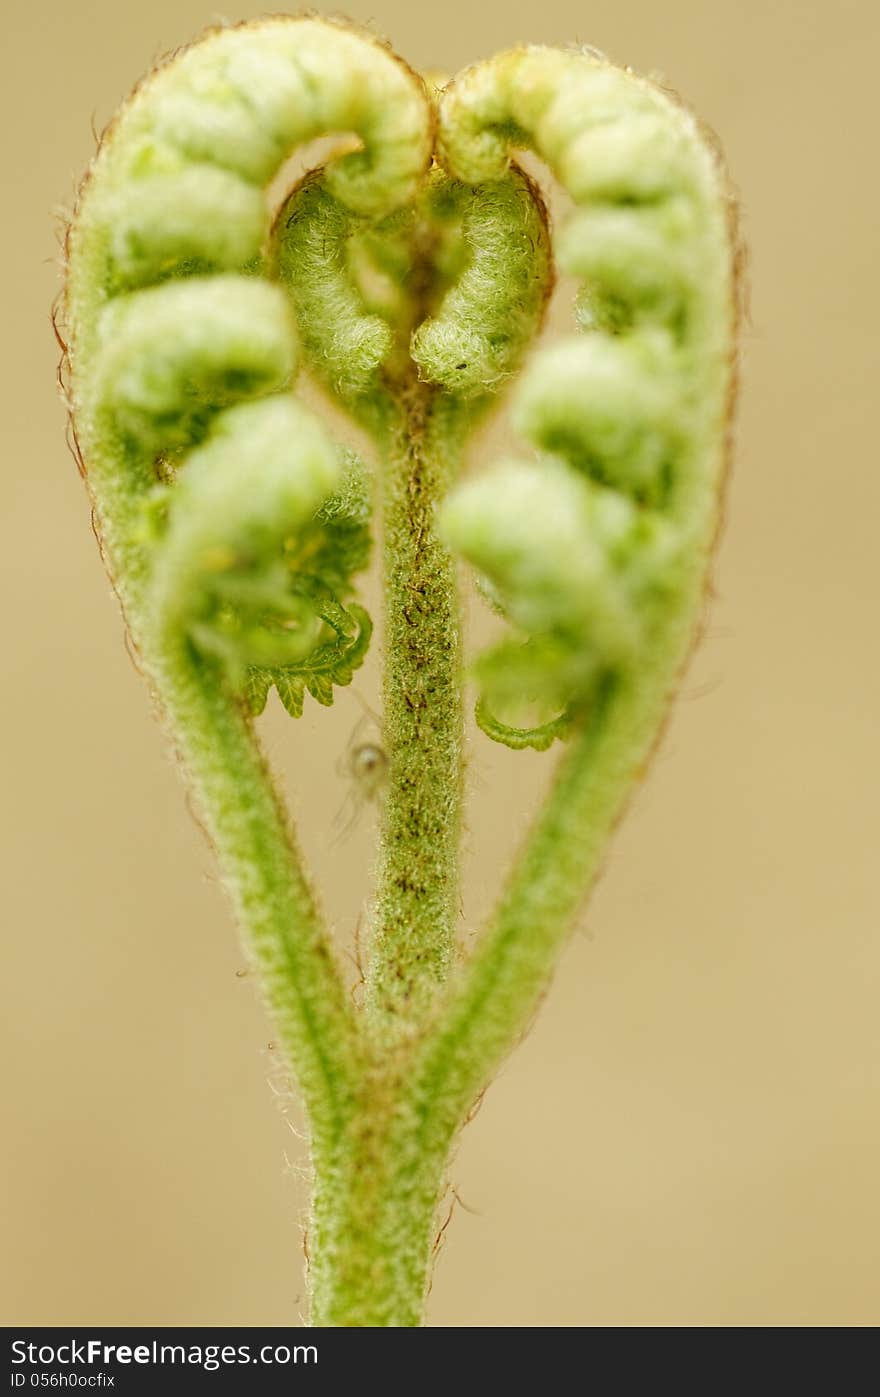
409	275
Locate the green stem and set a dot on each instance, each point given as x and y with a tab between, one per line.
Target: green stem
417	894
383	1214
372	1250
282	929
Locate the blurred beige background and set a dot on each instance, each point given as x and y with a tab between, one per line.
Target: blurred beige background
691	1135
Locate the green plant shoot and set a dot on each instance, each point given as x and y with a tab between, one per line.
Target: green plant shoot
409	275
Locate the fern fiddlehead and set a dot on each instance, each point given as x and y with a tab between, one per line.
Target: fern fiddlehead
234	527
598	550
178	343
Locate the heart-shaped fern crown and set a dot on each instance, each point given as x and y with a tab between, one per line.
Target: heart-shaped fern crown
228	514
410	275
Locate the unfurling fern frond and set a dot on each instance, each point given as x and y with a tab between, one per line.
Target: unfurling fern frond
598	549
410	275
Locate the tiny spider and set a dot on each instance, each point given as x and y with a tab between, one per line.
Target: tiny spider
365	765
368	766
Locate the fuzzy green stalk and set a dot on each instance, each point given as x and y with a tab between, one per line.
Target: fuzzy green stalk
370	1242
285	940
416	908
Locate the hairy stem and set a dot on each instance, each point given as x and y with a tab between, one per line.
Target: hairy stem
417	895
282	928
371	1243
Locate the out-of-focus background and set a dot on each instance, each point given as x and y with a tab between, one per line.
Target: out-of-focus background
691	1134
